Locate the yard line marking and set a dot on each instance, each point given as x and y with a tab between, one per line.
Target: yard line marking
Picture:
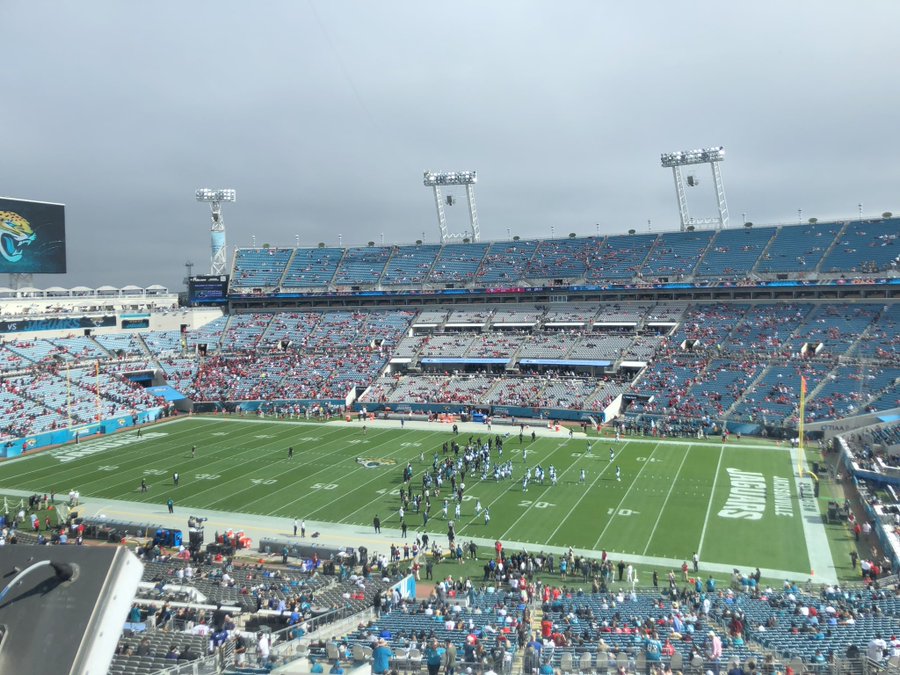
290	485
506	491
225	454
575	506
362	485
535	501
709	506
625	496
663	507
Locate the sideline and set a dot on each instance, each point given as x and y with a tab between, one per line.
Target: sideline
820	561
259	526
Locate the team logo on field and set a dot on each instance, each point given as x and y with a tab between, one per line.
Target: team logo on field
374	463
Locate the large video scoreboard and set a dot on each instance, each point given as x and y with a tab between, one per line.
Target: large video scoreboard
32	237
208	289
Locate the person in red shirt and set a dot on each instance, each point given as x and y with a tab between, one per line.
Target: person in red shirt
546	628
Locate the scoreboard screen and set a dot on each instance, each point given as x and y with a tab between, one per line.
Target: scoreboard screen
208	290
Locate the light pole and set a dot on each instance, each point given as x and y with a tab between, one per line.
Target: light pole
219	254
711	156
438	179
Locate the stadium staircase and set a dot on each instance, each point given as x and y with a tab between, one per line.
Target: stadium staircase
751	387
103	349
860	338
645	259
764	252
330	283
834	242
387	264
153	358
287	266
434	263
710	247
268	329
512	366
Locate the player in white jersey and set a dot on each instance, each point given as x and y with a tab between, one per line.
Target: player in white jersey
477	507
618	473
525	483
487	517
457	511
444	509
583	476
612	454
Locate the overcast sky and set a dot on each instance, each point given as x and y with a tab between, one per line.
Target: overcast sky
324	114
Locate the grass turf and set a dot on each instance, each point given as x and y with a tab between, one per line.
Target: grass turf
666	505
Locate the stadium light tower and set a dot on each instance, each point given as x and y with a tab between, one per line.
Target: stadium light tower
438	179
711	156
219	254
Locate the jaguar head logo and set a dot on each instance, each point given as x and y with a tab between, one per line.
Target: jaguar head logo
374	463
15	234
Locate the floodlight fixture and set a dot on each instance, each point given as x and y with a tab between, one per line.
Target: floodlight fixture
438	179
218	252
687	157
434	178
711	156
208	195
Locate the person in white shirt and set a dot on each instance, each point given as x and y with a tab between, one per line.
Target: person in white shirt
895	646
262	649
875	649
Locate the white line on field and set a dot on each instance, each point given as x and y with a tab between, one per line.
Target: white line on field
709	506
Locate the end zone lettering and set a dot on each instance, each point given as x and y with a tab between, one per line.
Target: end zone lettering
89	448
747	499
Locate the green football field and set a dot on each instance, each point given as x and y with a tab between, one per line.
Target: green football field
734	504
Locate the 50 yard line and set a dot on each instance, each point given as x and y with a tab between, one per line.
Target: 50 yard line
709	506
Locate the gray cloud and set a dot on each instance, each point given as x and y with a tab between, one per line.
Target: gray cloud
324	115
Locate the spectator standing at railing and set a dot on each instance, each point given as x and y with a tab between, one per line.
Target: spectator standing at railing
262	649
434	657
381	658
712	651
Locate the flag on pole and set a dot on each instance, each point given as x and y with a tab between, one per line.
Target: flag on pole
802	386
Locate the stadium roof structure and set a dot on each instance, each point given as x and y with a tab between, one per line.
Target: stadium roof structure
58	291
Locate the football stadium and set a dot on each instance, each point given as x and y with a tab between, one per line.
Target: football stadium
582	453
377	425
